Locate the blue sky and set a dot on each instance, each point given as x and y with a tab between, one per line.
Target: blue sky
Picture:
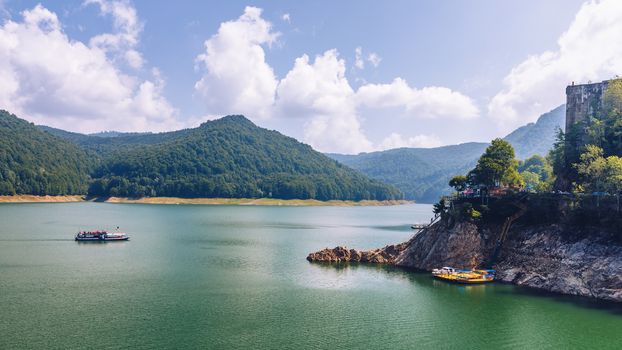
345	76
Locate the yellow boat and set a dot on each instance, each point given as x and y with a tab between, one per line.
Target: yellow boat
464	276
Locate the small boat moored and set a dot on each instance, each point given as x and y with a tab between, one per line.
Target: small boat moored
100	236
474	276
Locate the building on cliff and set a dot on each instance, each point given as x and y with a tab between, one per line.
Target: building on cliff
583	103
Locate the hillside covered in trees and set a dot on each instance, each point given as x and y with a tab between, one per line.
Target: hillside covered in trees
229	157
422	174
35	162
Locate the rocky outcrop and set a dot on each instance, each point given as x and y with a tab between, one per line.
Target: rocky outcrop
545	257
444	245
386	255
440	245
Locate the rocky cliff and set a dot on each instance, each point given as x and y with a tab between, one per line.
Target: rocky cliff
544	257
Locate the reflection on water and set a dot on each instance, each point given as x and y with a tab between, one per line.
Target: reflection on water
236	277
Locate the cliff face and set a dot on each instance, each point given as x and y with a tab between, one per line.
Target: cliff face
444	245
386	255
540	257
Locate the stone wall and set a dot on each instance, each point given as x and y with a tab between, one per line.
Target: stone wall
583	102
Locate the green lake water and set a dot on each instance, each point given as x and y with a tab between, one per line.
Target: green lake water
236	277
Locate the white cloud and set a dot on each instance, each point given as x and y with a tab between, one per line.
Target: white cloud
358	58
53	80
134	59
588	50
396	140
286	18
237	78
314	93
428	102
320	93
374	59
127	27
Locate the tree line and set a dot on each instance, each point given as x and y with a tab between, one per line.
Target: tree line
230	157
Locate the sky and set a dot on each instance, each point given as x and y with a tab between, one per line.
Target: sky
342	76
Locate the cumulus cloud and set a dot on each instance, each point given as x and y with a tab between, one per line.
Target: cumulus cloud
51	79
315	92
286	18
127	31
320	93
374	59
588	50
396	140
358	58
236	77
428	102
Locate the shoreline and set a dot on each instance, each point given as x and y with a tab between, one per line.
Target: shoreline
27	198
201	201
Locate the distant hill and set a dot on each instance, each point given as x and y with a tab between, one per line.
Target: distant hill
422	174
229	157
35	162
104	145
117	133
538	137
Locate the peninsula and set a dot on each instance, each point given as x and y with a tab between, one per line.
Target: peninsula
558	232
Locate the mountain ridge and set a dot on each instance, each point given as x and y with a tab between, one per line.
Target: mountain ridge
422	174
35	162
230	157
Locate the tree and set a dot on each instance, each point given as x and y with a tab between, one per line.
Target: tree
531	180
613	174
591	169
612	96
459	182
496	166
512	178
536	173
609	122
539	165
440	208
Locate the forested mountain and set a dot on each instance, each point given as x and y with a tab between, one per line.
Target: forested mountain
104	145
231	157
35	162
422	174
538	137
228	157
117	134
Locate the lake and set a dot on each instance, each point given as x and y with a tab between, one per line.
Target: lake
231	277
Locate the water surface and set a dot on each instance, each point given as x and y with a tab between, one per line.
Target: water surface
236	277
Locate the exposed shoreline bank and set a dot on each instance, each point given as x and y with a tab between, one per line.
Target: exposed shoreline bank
203	201
544	257
27	198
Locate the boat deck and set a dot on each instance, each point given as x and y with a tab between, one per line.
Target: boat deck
466	276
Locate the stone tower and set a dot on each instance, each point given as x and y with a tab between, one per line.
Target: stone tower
583	102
